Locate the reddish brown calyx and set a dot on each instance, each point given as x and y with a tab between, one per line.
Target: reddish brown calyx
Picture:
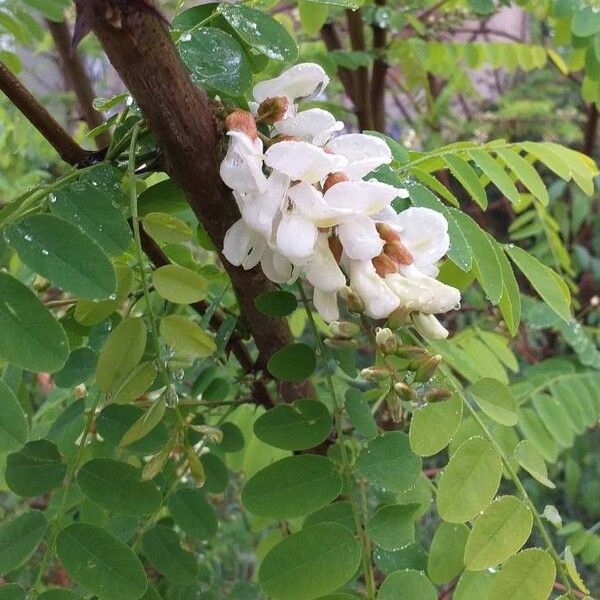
272	110
334	178
242	120
384	265
336	247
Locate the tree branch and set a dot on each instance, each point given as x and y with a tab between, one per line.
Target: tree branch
378	77
591	130
179	114
361	90
41	119
78	78
332	42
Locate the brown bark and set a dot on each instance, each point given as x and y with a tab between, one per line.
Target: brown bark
41	119
379	75
332	42
77	78
591	131
362	87
179	114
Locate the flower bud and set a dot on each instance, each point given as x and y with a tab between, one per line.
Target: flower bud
332	179
242	120
386	340
343	329
404	391
398	252
272	110
375	374
384	265
401	316
437	395
430	327
340	344
394	406
353	301
409	352
427	367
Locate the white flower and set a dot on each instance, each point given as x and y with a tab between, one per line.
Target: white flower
302	161
379	300
243	246
241	169
300	81
314	125
323	271
430	327
259	210
326	305
363	152
277	267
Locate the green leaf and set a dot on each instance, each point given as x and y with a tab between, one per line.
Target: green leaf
298	426
352	4
163	197
292	487
295	362
179	285
19	538
407	585
35	469
534	430
144	424
459	252
339	512
393	526
193	514
469	481
498	533
217	476
276	304
166	228
529	457
51	9
12	591
65	255
100	563
488	271
496	173
525	173
121	354
495	400
216	60
387	462
31	337
163	550
117	487
58	594
136	383
14	427
586	22
434	424
549	157
545	282
467	177
80	366
90	208
186	337
528	575
573	572
510	303
473	584
359	413
445	559
114	421
310	563
312	16
260	31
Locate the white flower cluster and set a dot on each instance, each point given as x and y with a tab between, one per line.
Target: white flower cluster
307	210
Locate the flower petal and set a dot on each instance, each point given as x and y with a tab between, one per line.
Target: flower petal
326	305
323	271
241	169
427	295
364	153
299	81
430	327
242	246
309	202
379	300
296	237
425	235
276	266
315	125
364	197
359	238
302	161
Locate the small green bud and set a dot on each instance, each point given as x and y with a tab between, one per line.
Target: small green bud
375	374
386	340
353	301
437	395
409	352
426	367
337	344
404	391
394	406
343	329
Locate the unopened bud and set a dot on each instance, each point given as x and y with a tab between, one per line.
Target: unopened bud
401	316
272	110
242	120
427	368
353	301
339	344
409	352
387	233
334	178
386	340
404	391
398	252
375	374
343	329
384	265
394	406
437	395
